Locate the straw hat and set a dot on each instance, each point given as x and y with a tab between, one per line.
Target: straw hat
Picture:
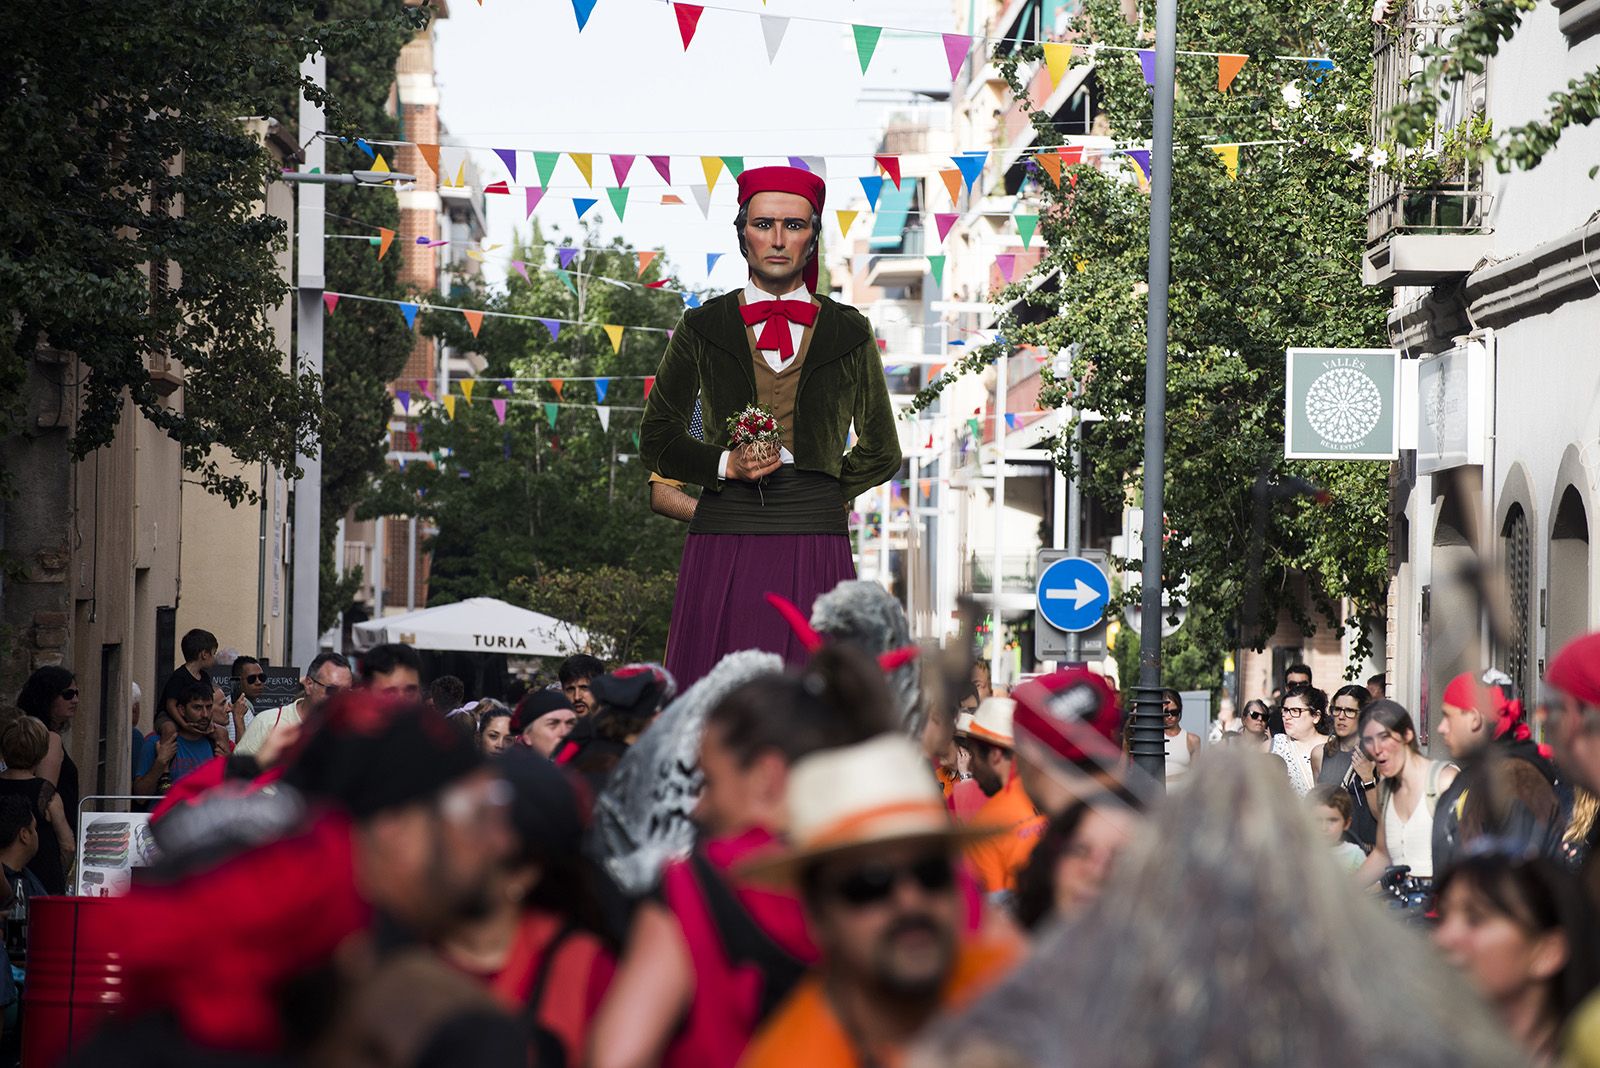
861	795
991	722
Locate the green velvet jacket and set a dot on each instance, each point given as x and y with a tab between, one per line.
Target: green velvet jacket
841	382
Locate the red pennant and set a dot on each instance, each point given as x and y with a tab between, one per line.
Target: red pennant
411	437
498	187
891	167
688	20
330	301
657	285
1071	155
649	384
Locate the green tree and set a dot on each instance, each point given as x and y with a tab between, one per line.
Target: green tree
516	504
1260	263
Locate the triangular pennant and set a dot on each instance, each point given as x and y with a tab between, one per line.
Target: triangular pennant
508	156
891	167
619	201
500	188
702	198
1007	263
499	409
1228	67
556	384
657	285
711	166
845	219
385	239
866	43
1319	68
565	255
671	198
430	156
521	268
711	260
450	405
936	267
817	165
645	260
872	185
409	310
1013	421
380	165
583	9
601	385
361	143
550	411
925	485
1051	164
566	280
422	387
944	221
404	397
552	325
467	386
772	28
508	385
461	174
799	163
605	417
330	301
635	435
582	204
1147	64
615	334
545	164
956	47
1025	226
620	166
1071	155
952	182
735	165
1057	58
584	161
649	384
474	320
688	19
663	166
970	164
1229	155
1141	156
532	195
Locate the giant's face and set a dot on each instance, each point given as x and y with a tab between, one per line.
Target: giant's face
778	237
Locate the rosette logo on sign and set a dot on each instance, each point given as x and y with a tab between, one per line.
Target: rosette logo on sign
1341	404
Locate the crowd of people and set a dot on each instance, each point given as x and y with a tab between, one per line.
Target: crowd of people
861	862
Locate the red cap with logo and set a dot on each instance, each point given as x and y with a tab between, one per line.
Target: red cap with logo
1069	715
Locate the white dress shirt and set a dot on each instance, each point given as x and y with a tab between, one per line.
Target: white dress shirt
753	294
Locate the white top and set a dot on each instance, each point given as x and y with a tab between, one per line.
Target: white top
261	728
1300	776
1177	755
1410	841
754	294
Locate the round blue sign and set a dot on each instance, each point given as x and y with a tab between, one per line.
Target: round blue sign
1073	594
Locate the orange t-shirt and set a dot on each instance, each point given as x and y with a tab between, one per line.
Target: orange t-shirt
805	1031
997	860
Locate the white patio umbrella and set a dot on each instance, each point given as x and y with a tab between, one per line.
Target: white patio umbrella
476	625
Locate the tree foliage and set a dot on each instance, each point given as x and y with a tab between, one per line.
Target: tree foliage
535	507
1260	263
124	149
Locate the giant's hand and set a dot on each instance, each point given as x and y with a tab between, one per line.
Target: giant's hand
745	465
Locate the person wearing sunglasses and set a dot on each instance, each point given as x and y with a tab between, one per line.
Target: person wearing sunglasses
1255	733
51	695
249	680
1345	765
271	732
873	853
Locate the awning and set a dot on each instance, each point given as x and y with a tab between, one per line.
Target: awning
476	625
894	206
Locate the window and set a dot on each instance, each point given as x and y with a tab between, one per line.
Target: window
1517	550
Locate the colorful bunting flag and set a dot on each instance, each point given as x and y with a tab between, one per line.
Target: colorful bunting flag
361	143
620	165
1319	68
688	20
866	43
970	164
615	334
619	201
556	384
1228	67
1007	263
845	219
545	164
605	418
952	183
635	435
461	174
671	198
450	405
330	301
1071	155
600	387
430	156
1025	226
956	46
409	311
645	260
508	156
936	266
584	161
1051	164
422	387
1229	155
773	28
702	199
565	255
735	165
1141	156
467	385
1147	63
404	397
872	185
474	320
499	409
649	384
521	268
385	239
583	9
566	280
711	167
550	412
944	221
891	167
498	188
817	165
711	260
531	195
1057	58
553	326
508	385
663	166
582	205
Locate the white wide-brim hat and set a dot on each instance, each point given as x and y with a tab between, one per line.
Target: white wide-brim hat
873	793
991	722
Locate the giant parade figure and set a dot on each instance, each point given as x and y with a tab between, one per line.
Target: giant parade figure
782	373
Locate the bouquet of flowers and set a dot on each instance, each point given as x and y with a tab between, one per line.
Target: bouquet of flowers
757	428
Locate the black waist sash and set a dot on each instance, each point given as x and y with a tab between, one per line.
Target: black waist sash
789	501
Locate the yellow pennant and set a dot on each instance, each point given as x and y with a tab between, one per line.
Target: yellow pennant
474	254
846	218
461	174
1229	155
1057	57
712	166
615	334
379	166
585	164
466	388
450	405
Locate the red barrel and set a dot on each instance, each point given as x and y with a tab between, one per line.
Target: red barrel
75	975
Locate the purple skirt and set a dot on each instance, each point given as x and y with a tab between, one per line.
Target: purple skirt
721	606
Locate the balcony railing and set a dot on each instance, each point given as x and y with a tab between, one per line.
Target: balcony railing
1018	576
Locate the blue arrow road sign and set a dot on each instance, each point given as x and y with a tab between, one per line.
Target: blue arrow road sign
1073	594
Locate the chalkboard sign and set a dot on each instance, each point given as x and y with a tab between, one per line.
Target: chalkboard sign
282	687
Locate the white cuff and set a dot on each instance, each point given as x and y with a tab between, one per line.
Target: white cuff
722	467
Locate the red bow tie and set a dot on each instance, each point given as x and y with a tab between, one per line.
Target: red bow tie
778	314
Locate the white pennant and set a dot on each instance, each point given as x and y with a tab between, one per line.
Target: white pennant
773	27
818	165
702	197
604	412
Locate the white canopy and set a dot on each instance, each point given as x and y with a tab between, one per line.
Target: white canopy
476	625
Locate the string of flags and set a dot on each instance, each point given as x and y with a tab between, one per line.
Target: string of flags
474	317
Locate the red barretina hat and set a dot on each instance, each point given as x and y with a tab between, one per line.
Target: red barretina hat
786	180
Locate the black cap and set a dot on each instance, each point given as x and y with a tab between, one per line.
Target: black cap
536	704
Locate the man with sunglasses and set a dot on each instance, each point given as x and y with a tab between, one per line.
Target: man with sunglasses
874	856
328	675
249	679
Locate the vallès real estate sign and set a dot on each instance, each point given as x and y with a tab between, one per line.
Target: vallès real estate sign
1342	404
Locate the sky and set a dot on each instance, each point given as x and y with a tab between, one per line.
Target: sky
519	74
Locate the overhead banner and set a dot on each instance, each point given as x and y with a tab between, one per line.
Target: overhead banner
1342	404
